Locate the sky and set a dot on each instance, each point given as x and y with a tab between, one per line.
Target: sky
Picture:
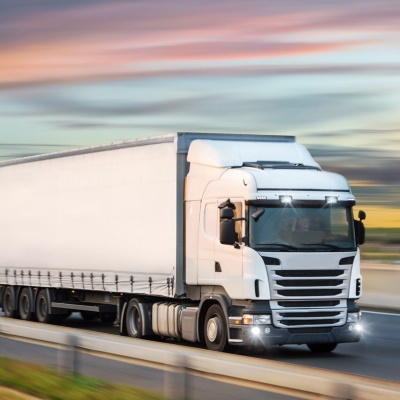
80	73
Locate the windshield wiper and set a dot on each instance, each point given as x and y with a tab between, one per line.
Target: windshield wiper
286	246
329	245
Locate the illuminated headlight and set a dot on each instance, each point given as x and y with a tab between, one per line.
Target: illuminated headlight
331	199
250	319
285	199
255	331
355	327
353	318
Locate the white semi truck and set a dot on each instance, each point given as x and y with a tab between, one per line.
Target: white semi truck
225	239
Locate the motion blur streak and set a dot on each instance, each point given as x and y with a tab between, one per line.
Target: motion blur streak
83	73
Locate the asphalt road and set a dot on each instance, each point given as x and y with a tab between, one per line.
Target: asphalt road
377	355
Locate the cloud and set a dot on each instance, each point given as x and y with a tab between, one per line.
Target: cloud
267	111
17	145
57	105
345	132
98	40
358	164
229	71
194	108
71	62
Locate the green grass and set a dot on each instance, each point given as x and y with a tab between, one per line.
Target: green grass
47	384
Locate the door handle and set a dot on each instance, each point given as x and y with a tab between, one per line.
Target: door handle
218	267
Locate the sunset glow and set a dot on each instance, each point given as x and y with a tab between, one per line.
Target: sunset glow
75	74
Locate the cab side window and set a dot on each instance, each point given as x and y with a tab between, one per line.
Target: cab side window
238	224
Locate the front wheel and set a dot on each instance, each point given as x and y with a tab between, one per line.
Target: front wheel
215	329
322	347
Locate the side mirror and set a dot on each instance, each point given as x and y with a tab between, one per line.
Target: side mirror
227	234
359	228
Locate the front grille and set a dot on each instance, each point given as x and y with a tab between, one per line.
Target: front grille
297	283
302	318
309	293
312	314
306	300
311	283
310	322
309	273
305	304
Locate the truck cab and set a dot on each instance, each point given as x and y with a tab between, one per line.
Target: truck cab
275	246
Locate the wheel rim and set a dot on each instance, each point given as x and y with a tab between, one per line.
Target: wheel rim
7	304
25	306
134	321
42	308
214	329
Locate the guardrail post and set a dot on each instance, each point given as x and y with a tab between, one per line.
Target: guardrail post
68	356
176	379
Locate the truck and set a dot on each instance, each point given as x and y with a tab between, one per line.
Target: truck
224	239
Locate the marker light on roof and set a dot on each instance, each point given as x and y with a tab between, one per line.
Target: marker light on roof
331	199
285	199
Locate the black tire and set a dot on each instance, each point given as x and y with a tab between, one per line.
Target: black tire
43	308
134	319
25	304
215	329
9	302
322	347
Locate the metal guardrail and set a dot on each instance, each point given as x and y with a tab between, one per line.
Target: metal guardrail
272	376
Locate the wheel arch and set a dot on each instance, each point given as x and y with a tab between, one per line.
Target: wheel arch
145	307
205	303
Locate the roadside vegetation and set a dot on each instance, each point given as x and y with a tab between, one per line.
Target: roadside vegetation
382	245
44	383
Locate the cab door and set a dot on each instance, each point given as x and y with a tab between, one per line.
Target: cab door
229	258
208	235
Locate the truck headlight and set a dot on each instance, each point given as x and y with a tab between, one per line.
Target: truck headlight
354	318
250	319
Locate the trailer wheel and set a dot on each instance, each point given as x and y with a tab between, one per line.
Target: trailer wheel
25	304
322	347
215	330
43	308
9	302
134	319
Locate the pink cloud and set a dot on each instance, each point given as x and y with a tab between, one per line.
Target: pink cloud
98	40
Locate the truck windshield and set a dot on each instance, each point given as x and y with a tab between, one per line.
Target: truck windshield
301	228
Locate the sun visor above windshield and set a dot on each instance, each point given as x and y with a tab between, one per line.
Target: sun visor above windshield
223	154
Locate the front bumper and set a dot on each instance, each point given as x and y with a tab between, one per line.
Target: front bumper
270	335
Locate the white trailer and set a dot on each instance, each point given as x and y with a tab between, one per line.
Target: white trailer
191	236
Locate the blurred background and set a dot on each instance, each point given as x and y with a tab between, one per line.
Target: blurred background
87	72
